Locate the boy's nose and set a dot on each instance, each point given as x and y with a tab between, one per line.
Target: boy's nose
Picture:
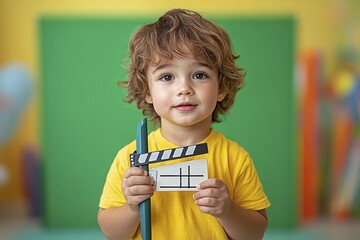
185	88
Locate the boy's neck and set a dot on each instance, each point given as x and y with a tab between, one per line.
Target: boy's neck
185	136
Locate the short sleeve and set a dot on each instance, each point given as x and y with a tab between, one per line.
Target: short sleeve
249	192
112	195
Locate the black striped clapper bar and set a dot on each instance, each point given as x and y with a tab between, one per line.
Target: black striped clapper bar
137	160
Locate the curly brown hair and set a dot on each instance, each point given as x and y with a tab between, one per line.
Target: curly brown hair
174	33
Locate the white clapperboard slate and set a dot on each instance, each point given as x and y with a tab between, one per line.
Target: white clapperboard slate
184	176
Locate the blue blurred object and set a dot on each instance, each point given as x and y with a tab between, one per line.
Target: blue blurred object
32	177
354	100
16	88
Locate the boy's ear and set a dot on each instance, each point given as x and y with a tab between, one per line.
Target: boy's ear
148	99
221	96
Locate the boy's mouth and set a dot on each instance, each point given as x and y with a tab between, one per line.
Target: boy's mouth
186	107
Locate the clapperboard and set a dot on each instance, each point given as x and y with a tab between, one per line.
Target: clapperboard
182	176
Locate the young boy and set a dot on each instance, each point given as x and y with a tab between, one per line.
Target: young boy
183	75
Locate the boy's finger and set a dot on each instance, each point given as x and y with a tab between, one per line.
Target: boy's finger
135	171
138	180
142	190
208	192
210	183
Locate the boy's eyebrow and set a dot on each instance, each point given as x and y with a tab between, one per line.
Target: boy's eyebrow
160	67
168	64
203	64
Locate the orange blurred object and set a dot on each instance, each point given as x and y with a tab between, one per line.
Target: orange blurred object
310	67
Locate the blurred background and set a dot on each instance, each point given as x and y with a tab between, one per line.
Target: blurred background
62	116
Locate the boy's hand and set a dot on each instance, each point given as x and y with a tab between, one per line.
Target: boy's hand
213	197
137	186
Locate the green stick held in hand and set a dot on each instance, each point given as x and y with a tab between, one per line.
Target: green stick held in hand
145	207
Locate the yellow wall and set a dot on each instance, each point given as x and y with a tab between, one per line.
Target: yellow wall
316	28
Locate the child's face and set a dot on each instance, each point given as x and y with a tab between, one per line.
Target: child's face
184	91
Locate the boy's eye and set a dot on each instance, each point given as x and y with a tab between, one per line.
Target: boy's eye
200	75
166	77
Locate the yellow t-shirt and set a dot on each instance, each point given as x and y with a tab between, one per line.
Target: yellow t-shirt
174	215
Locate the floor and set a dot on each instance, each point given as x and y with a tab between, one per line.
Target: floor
16	228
